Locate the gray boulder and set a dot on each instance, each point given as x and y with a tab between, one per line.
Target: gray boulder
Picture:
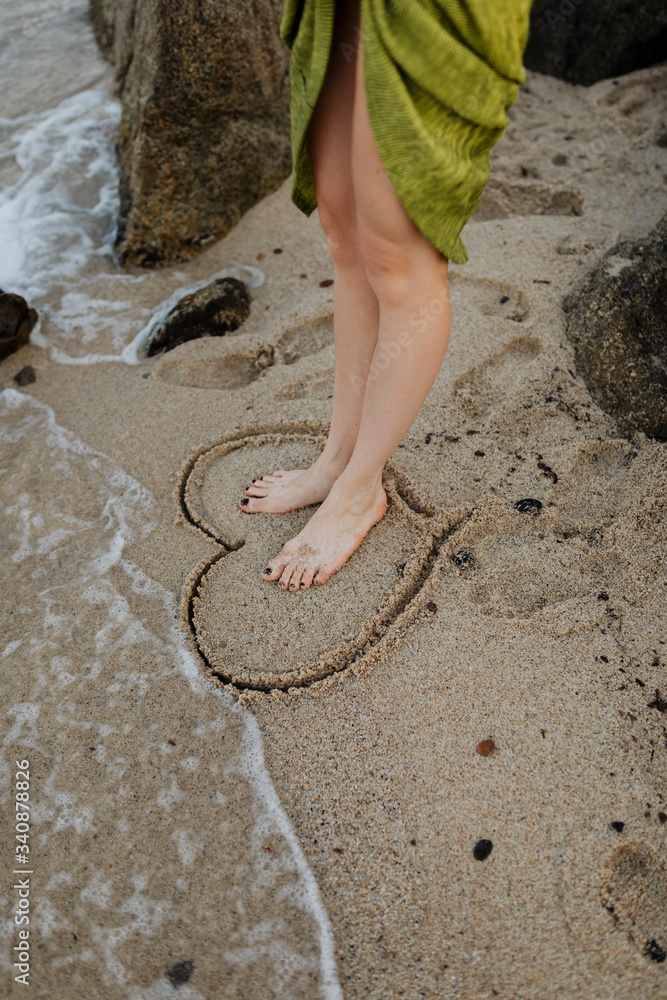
583	41
204	134
617	322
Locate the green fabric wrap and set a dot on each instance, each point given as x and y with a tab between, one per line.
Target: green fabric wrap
439	76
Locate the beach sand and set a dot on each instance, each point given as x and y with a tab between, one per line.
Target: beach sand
460	618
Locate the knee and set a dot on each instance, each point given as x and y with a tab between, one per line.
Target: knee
339	227
387	266
394	269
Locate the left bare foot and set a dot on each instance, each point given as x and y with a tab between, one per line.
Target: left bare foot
334	531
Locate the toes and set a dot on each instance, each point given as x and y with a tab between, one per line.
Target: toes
307	578
296	579
275	568
320	577
285	576
256	490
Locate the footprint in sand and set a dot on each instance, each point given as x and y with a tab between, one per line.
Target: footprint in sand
479	389
634	893
576	546
503	199
254	635
236	362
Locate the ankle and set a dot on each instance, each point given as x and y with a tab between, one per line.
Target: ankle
359	491
332	464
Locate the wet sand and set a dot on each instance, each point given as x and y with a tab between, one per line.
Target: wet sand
461	618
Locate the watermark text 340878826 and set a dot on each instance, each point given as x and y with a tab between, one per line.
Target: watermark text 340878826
22	868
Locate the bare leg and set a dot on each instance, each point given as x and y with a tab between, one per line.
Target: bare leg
409	278
356	308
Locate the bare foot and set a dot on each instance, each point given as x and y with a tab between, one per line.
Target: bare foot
289	490
329	539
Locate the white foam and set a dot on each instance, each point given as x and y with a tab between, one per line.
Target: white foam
61	210
127	513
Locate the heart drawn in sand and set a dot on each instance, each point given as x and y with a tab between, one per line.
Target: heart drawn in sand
253	635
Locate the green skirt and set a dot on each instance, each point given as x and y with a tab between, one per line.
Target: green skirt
439	76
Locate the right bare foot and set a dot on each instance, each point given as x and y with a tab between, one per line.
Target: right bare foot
287	490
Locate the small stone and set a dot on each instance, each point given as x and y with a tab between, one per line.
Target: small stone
278	250
326	283
504	299
528	506
432	606
180	972
338	850
653	951
463	559
482	849
486	747
617	826
662	817
480	454
413	842
603	596
25	375
260	256
303	275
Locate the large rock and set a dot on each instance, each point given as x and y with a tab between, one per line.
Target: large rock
617	322
204	134
583	41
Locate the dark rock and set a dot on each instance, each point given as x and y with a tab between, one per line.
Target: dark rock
583	41
211	312
25	375
653	951
16	321
180	972
204	133
528	506
617	322
463	559
617	826
482	849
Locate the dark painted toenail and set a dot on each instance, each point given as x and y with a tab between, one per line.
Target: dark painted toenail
245	501
267	570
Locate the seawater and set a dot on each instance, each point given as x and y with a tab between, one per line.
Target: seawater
59	196
58	205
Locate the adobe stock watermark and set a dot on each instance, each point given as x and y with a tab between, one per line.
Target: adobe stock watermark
565	9
390	351
21	950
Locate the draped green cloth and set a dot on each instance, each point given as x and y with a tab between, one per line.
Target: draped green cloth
439	76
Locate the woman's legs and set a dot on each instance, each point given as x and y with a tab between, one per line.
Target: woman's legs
409	278
356	309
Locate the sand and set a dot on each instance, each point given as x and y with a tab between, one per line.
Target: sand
461	618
